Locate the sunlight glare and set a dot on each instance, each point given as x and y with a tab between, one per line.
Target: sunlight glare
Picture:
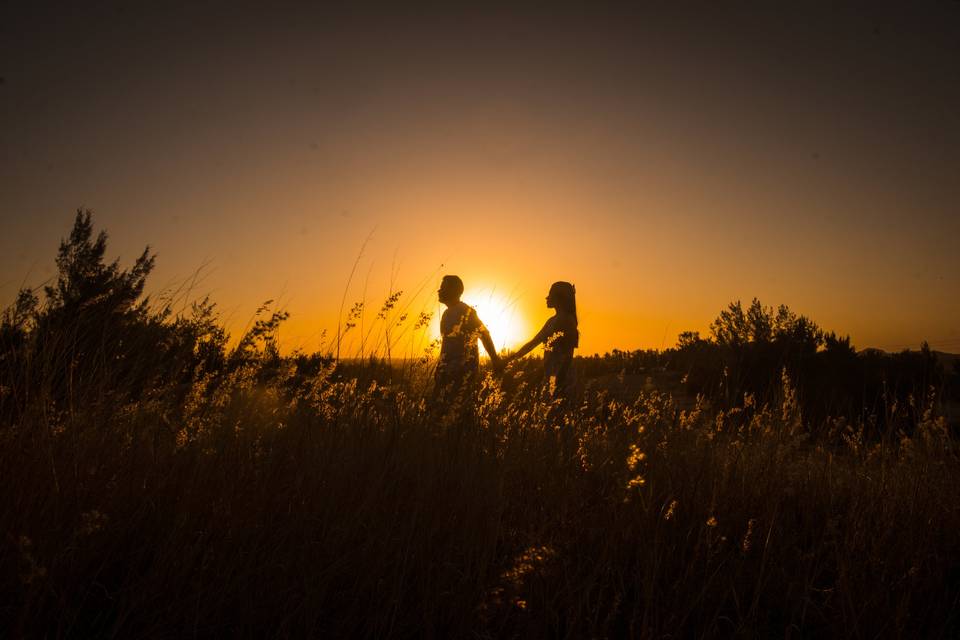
501	314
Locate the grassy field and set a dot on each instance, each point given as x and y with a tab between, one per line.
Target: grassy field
334	507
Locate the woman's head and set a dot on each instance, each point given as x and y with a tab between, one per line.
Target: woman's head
563	297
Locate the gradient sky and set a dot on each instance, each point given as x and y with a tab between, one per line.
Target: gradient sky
665	162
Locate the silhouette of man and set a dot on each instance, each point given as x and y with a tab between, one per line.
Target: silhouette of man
459	328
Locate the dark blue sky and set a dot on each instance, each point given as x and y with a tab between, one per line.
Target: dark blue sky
666	161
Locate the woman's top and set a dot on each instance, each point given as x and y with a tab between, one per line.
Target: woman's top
560	337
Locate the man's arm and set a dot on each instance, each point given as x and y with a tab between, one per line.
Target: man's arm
490	347
476	325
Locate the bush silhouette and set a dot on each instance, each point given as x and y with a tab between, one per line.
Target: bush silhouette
748	349
96	339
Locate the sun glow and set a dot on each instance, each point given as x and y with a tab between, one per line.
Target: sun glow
502	316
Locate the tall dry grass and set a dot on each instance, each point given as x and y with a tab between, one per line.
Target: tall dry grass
311	505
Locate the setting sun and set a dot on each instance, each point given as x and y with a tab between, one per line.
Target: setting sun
501	314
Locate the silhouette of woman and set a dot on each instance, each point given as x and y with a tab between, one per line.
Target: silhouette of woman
559	337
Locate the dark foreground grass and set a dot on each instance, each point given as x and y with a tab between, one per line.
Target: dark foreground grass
342	511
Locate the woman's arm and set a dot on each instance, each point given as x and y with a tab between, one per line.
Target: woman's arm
541	336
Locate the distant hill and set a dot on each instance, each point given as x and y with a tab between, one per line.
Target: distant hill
949	360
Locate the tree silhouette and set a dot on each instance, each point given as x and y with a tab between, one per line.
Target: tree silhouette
95	336
86	284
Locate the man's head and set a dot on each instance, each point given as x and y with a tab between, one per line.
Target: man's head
451	288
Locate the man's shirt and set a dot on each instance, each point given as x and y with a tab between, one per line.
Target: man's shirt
460	328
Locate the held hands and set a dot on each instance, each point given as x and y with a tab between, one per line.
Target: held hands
499	363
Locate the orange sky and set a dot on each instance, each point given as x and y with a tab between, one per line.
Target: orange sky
665	164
